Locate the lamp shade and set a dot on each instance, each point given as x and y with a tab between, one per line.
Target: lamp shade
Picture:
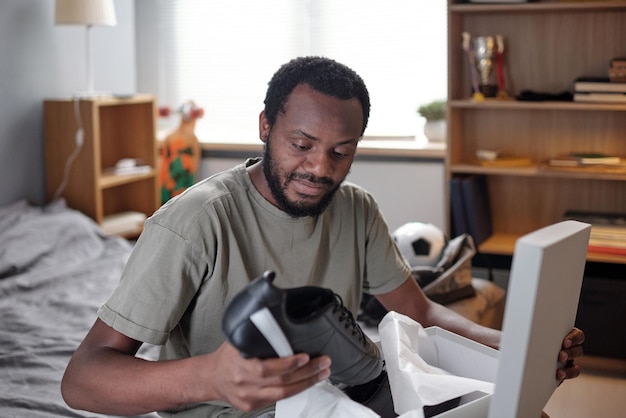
85	12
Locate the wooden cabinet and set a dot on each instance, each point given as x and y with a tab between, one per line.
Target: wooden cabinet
547	45
113	129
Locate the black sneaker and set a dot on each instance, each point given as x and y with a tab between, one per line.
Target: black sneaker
375	394
306	319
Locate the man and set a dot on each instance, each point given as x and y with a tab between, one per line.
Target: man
290	212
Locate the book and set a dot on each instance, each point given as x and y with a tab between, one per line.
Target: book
606	228
598	85
610	243
469	207
600	97
595	158
616	234
600	249
618	62
507	162
617	74
564	161
457	211
597	218
609	230
579	159
476	207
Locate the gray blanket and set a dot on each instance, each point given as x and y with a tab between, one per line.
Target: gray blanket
56	269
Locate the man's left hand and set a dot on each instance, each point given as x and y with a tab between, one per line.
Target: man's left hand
571	350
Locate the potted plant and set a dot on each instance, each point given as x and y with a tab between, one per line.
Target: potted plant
435	114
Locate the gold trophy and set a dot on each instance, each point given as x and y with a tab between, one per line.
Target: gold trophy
485	52
485	57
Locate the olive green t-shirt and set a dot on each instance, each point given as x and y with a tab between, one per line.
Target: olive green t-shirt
201	248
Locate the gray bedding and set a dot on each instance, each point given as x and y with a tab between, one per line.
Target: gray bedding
56	268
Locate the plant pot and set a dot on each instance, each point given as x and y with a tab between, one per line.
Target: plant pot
435	130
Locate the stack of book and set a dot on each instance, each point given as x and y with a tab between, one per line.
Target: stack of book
469	207
582	159
599	90
608	231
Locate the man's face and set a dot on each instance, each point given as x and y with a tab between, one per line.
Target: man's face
309	150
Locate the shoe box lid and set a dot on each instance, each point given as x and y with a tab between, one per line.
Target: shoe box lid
541	305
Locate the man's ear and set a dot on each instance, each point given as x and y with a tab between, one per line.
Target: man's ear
264	127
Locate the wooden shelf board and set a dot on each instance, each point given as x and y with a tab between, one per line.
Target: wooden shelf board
109	100
526	105
592	173
112	180
599	173
537	7
504	244
606	365
479	169
501	244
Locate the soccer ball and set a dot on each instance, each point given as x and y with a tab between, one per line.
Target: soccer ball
420	243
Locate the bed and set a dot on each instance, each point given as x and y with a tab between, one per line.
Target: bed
56	268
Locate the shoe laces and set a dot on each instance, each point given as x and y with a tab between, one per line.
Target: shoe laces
346	316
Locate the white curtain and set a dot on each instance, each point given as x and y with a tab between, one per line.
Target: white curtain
221	54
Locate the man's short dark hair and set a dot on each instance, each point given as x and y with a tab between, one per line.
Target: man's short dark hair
324	75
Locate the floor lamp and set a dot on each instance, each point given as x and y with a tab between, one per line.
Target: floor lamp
87	13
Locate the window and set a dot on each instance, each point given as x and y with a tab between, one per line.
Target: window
222	54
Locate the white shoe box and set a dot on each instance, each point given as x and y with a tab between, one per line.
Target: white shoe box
542	300
466	358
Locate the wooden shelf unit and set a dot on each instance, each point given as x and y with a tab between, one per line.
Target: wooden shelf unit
548	44
112	129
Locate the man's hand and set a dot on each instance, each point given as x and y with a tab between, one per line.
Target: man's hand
105	376
571	349
250	384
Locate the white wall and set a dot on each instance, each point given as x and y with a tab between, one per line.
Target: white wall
39	60
406	190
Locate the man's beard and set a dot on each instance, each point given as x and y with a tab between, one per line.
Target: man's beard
295	209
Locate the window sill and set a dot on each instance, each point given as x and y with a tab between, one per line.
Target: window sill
367	147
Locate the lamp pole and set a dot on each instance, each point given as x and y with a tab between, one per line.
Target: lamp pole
88	63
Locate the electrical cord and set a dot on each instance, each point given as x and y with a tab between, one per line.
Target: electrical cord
79	138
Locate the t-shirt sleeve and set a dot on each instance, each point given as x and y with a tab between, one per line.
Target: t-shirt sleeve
157	285
386	268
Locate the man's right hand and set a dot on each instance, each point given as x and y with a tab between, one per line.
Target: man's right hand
105	376
250	384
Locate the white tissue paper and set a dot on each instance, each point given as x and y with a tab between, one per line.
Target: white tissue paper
414	382
410	354
322	401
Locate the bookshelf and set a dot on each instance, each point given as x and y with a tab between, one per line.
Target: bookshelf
113	129
548	44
